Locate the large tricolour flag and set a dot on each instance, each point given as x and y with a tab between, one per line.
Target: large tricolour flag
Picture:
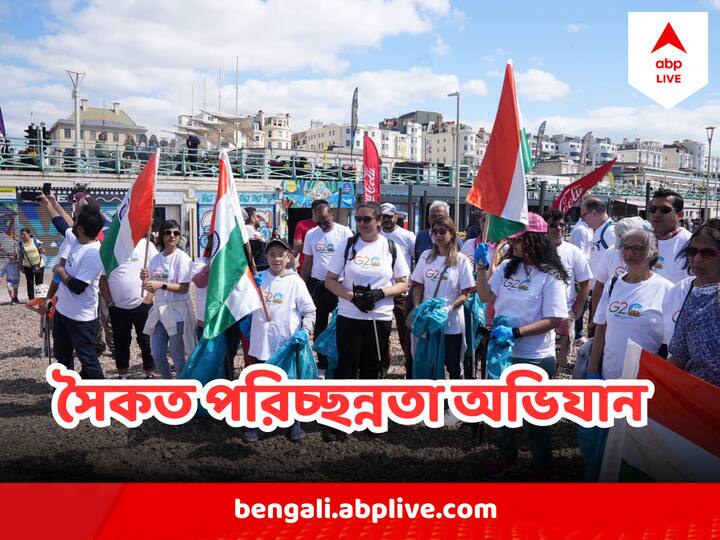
133	218
231	292
681	442
499	186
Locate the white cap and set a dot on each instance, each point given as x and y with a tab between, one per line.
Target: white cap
388	208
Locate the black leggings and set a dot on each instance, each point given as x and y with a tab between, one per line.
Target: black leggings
33	278
357	349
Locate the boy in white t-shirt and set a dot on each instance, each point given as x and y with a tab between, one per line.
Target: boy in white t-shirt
290	308
75	322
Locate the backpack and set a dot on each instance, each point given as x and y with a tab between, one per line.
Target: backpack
602	241
353	240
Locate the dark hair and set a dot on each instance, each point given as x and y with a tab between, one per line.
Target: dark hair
27	230
540	253
553	215
317	203
595	205
91	220
250	211
678	203
452	256
710	228
375	207
167	225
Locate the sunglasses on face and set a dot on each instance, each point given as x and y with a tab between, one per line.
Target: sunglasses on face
171	233
663	209
364	219
705	253
557	225
636	250
440	230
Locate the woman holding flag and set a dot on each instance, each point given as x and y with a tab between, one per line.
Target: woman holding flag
529	289
171	319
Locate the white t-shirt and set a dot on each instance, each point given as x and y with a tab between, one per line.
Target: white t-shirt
468	249
455	279
633	312
603	239
124	282
581	236
287	299
67	243
525	298
672	304
253	233
668	266
200	292
611	264
173	268
372	265
322	246
83	263
577	267
405	242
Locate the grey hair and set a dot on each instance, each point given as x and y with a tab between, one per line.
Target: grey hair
649	240
435	204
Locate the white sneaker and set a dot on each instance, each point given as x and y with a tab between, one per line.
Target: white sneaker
321	374
450	419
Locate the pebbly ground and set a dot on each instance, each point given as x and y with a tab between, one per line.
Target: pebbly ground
34	448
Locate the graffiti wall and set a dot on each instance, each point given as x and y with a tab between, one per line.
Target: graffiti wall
301	193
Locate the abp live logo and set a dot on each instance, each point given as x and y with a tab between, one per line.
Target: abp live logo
668	55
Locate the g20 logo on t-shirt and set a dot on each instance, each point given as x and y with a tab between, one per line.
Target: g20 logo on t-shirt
660	264
623	309
323	247
433	273
366	262
516	284
160	273
271	298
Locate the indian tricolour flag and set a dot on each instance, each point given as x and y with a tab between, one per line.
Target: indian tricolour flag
499	186
133	218
681	442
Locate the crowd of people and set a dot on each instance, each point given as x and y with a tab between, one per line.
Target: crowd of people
650	281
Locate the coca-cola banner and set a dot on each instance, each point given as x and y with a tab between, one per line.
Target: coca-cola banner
371	171
574	192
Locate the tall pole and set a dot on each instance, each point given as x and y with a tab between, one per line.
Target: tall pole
76	78
235	132
709	130
219	86
456	95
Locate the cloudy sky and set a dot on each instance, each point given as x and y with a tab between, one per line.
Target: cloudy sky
306	57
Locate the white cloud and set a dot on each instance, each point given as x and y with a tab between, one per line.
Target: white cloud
494	55
576	27
440	48
715	4
538	85
475	86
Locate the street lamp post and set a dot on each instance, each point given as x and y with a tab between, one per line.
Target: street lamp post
709	130
456	95
76	79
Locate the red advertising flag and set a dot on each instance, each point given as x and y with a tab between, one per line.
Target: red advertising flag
574	192
371	171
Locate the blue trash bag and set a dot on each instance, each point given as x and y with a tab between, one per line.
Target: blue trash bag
591	442
428	326
207	360
475	312
245	325
326	343
499	353
295	357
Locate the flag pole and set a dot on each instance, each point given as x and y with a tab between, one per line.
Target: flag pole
143	293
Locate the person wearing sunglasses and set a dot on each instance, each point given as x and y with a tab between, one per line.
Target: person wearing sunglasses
320	244
171	318
665	213
444	272
695	304
578	287
529	288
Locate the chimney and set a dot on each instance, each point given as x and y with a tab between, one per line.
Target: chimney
83	104
116	108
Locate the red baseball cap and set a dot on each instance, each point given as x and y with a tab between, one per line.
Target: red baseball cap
535	224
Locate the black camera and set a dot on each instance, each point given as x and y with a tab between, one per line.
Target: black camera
47	187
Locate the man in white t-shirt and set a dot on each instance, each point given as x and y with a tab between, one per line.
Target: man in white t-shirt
594	212
665	213
75	322
128	307
581	236
320	245
405	244
578	287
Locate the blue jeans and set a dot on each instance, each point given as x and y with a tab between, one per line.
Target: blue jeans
538	436
159	345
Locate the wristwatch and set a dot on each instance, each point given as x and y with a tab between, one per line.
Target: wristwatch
164	286
516	333
482	266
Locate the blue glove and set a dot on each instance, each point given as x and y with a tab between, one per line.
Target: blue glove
481	254
502	334
302	335
594	377
245	325
258	279
56	279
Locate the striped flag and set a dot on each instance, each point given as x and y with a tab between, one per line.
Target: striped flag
133	218
499	187
681	442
